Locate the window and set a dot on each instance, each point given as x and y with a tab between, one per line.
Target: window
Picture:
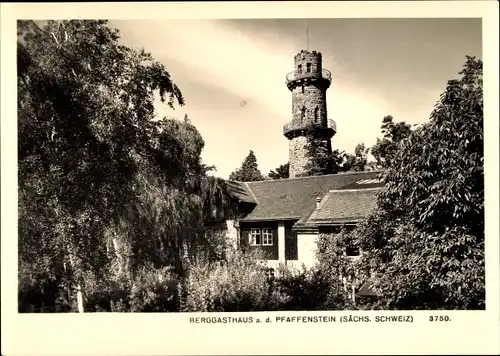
352	251
299	69
270	273
316	110
261	237
302	89
267	237
349	227
303	113
255	237
308	67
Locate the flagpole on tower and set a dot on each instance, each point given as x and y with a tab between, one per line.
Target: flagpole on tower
307	36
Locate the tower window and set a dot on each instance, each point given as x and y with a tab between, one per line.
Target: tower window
316	110
299	69
303	113
308	67
302	89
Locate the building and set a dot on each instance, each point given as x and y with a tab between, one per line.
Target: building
284	217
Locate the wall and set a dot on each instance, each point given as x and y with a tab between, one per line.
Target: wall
271	252
304	57
301	154
232	232
306	245
281	241
298	156
312	98
281	232
291	253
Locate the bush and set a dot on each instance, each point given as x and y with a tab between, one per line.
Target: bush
147	290
41	290
43	295
239	283
339	271
311	289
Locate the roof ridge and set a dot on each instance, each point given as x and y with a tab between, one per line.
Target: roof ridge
251	192
308	177
354	190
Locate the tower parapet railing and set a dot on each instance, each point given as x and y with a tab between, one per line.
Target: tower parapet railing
294	76
299	126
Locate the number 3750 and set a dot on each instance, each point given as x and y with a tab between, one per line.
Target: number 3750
439	318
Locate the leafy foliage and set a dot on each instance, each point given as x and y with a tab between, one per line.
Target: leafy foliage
147	290
339	161
325	160
249	170
358	161
281	172
239	283
424	244
311	289
101	178
337	267
331	162
393	133
321	161
242	283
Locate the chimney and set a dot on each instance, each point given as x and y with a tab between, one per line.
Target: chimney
318	200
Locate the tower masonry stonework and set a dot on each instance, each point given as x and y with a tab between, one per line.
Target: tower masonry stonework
310	125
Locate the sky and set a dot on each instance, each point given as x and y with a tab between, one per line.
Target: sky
232	75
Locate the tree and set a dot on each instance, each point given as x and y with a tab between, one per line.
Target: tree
281	172
102	180
358	161
249	170
325	160
322	159
393	133
339	161
424	243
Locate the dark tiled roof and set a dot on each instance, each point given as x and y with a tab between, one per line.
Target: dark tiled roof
364	184
240	191
295	198
344	205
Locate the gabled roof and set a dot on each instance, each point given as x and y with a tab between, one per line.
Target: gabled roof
240	191
295	198
343	206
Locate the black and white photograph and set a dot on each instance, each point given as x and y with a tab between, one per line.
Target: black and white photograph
243	199
242	165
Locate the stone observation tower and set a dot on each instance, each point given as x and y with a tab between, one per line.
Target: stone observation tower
310	125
